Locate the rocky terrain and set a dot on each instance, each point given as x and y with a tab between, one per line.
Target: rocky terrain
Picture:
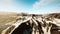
7	19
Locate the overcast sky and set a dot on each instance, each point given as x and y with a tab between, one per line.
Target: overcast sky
30	6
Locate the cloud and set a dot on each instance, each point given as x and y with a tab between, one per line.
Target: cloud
10	6
41	3
43	6
6	0
7	6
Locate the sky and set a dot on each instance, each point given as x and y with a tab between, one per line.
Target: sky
30	6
